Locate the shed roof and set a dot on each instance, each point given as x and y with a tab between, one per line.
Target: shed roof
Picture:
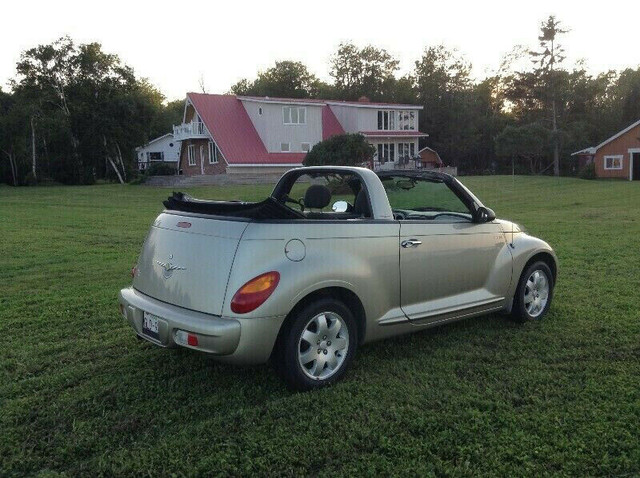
594	149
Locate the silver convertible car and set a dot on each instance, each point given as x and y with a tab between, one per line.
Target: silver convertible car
334	258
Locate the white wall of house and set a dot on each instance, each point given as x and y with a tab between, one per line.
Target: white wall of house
162	149
355	118
348	117
269	121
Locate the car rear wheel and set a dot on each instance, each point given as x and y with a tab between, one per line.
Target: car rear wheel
317	345
534	293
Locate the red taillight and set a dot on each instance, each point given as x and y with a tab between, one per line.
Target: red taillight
253	294
192	340
134	271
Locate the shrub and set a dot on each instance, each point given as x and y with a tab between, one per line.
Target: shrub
161	169
340	150
588	172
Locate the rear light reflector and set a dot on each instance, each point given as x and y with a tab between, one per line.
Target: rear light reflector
255	292
184	224
134	271
186	338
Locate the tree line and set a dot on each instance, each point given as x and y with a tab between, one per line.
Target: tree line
526	117
74	113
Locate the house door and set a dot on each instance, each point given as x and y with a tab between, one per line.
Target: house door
635	165
201	159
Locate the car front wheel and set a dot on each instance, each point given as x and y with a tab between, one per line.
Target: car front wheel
534	293
317	345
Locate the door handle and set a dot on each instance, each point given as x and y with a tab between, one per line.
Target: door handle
410	243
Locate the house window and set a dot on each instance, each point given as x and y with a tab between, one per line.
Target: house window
406	150
613	162
285	147
155	156
213	153
305	147
386	120
294	115
396	120
406	120
191	154
386	152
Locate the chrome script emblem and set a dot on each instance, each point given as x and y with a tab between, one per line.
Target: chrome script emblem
168	267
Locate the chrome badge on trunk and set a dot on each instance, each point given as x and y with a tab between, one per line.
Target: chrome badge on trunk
169	268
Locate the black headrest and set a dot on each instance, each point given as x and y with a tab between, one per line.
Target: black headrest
317	196
361	205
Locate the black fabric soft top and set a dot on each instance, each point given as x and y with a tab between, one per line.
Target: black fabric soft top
270	208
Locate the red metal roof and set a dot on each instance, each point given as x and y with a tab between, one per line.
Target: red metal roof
330	124
393	134
234	133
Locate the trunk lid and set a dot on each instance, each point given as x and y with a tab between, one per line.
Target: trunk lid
186	260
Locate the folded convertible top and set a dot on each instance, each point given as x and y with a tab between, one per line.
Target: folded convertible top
270	208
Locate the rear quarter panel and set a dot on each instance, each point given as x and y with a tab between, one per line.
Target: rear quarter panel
361	256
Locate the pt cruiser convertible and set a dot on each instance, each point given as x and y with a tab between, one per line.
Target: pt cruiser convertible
334	258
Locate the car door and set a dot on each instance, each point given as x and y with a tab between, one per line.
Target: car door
449	264
451	269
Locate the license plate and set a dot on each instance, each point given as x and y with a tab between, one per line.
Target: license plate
150	326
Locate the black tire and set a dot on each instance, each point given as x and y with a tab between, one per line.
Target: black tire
519	312
291	347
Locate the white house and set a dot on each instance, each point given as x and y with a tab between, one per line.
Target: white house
163	149
228	133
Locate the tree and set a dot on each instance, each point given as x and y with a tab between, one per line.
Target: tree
444	89
85	109
367	71
341	150
550	54
287	79
529	142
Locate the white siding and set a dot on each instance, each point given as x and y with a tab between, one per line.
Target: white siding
356	119
347	116
273	132
165	145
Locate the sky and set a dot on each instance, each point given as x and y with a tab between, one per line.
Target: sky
175	44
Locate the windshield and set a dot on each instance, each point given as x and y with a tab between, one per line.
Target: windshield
424	199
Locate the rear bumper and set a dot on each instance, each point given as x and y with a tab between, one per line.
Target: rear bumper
229	339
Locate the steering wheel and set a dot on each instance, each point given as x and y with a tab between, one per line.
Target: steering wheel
399	216
455	214
435	216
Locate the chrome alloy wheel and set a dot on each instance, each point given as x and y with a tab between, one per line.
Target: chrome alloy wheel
536	293
323	345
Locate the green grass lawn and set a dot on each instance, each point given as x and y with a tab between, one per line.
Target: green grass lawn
79	395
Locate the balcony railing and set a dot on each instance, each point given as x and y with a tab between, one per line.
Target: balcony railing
191	130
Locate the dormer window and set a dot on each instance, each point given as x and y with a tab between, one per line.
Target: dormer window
294	115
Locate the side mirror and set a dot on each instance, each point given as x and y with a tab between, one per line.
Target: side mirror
484	214
340	206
